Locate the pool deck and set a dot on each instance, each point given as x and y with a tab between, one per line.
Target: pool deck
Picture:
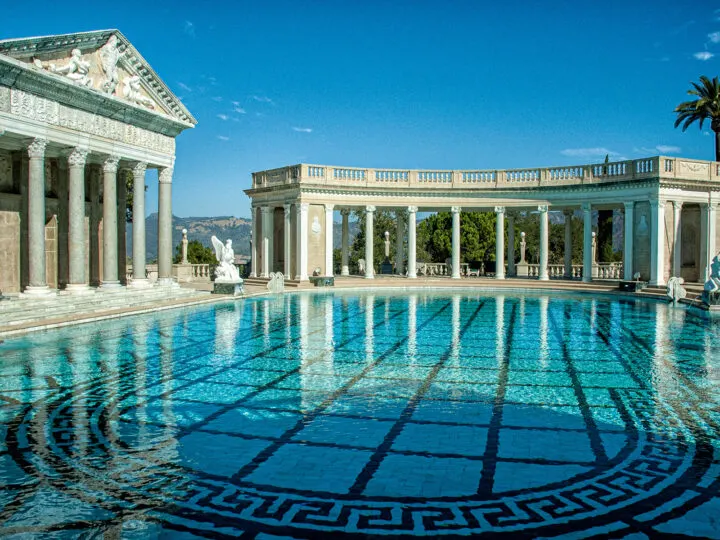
21	316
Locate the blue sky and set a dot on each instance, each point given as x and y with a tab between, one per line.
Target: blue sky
407	84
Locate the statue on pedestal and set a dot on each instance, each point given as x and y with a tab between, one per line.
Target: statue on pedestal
675	289
711	290
226	271
386	266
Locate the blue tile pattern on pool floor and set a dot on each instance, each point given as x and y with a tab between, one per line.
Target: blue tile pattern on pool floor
381	414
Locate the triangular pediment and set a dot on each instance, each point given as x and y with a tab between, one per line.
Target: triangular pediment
102	61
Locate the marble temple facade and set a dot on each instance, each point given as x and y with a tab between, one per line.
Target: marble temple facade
80	116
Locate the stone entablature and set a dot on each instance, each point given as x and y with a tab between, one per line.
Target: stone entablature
666	169
27	106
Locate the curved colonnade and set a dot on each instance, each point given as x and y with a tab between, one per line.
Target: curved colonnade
669	205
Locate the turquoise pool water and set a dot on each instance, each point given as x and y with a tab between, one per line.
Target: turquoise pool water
321	415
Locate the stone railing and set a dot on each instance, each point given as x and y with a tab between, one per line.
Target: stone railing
202	272
439	269
662	167
600	270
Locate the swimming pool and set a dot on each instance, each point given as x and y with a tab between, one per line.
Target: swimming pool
385	413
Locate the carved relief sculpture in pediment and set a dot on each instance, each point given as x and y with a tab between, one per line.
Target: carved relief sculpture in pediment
77	69
131	91
109	56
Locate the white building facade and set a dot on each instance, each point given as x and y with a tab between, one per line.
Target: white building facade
82	116
669	205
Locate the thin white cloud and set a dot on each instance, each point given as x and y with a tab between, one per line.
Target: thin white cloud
262	99
667	149
189	29
223	138
704	55
184	87
714	37
217	98
588	152
239	109
223	116
302	130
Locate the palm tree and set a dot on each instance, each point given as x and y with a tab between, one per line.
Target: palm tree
707	106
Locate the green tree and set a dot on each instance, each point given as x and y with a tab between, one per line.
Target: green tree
197	253
477	237
705	107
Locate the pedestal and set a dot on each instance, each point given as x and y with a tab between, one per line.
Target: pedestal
386	267
228	287
522	270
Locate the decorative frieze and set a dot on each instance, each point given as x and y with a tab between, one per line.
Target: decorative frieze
45	110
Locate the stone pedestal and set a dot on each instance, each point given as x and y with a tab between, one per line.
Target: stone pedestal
228	287
522	269
182	273
386	267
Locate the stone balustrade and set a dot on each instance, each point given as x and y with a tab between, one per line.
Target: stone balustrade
620	171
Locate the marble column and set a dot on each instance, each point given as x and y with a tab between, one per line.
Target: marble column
587	243
254	251
628	248
329	270
139	279
455	242
287	239
267	241
543	270
77	280
708	247
511	243
568	273
302	241
411	232
369	237
345	266
499	242
37	280
677	244
399	244
110	224
165	226
657	242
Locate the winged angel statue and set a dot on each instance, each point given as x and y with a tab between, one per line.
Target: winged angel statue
226	270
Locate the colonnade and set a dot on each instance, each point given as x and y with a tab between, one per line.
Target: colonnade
113	225
296	228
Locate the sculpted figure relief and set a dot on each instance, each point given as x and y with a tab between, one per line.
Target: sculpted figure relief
675	290
77	69
109	56
131	91
226	270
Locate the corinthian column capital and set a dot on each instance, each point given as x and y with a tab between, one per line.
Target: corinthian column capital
165	176
110	165
36	149
139	169
77	158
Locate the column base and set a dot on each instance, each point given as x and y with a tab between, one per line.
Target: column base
253	274
369	276
167	282
586	280
110	285
499	276
140	283
412	276
78	289
456	277
345	271
38	292
543	278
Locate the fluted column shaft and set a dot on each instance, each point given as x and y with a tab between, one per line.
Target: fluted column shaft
677	244
399	242
267	241
37	281
254	241
77	280
302	241
708	246
455	242
165	225
110	224
499	242
543	270
511	243
345	269
411	232
568	273
329	270
138	225
657	242
628	248
369	237
287	240
587	243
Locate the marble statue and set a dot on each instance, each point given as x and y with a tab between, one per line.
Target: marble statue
711	290
675	289
109	56
276	283
226	271
131	90
77	69
387	245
